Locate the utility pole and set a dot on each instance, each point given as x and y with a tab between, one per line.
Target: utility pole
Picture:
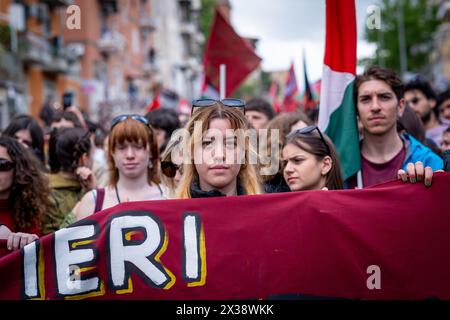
401	39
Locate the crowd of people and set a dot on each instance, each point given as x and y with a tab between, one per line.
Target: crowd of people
69	169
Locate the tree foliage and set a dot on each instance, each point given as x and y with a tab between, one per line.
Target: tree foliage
420	22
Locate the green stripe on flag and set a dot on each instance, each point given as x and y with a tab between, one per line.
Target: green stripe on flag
343	130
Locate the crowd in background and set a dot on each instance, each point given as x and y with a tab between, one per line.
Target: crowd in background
62	167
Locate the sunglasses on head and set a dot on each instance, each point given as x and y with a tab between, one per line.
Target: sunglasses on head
6	165
233	103
124	117
308	130
169	169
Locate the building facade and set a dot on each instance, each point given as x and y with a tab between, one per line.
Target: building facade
106	64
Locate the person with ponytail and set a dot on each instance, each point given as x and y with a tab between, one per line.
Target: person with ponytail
70	161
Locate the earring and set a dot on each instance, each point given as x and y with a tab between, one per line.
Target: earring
150	164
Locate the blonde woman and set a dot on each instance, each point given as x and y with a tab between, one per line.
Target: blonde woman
219	154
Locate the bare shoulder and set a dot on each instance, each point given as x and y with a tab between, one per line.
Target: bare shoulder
86	206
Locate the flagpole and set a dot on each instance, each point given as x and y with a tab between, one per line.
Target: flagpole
222	80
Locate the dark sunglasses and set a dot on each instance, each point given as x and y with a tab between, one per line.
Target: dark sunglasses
233	103
169	169
308	130
6	165
124	117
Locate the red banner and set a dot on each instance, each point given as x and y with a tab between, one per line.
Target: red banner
386	242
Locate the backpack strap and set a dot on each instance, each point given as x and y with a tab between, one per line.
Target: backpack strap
99	195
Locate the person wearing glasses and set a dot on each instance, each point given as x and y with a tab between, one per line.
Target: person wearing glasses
283	124
310	162
133	159
172	166
220	162
379	99
70	159
24	195
422	99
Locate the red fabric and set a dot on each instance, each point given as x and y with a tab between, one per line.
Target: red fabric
273	94
155	104
225	46
340	50
6	219
290	91
318	243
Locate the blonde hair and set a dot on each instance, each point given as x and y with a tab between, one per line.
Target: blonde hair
133	131
248	175
172	145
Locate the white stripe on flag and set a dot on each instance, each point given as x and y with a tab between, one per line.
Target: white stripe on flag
332	92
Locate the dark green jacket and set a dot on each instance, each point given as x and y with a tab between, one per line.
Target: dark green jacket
65	193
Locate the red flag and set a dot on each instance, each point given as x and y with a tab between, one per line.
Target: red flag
225	46
290	91
308	99
273	95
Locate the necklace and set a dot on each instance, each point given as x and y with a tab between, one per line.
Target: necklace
118	197
117	194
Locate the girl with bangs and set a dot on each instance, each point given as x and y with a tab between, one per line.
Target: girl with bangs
133	158
215	139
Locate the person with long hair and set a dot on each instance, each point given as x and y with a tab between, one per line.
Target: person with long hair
24	195
283	124
171	165
27	131
133	159
70	160
310	161
215	139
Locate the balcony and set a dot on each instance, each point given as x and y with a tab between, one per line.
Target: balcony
149	68
58	65
147	23
34	49
10	69
188	28
111	42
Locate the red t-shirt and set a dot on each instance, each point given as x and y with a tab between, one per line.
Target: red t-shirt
375	173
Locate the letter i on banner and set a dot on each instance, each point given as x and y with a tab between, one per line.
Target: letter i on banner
33	270
194	251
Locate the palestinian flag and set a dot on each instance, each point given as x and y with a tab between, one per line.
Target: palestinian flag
337	113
